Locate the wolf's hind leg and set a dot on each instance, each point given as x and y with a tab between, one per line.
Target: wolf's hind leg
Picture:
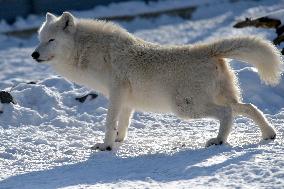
257	116
224	115
123	124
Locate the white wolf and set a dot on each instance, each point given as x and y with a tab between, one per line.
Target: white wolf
189	81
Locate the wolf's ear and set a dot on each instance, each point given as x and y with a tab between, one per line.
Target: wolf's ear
67	22
49	17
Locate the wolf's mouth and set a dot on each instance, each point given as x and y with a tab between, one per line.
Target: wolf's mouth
41	60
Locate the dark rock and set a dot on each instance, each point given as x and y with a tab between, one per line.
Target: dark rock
280	30
83	98
263	22
278	40
6	97
32	82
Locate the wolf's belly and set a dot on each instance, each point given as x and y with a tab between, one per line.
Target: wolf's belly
150	105
150	100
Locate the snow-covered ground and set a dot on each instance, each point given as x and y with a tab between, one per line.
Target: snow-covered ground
45	138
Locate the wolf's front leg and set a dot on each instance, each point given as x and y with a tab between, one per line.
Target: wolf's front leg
123	123
116	98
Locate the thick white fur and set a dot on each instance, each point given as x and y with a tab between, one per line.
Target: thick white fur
190	81
258	52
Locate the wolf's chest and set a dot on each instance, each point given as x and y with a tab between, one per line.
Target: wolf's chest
88	78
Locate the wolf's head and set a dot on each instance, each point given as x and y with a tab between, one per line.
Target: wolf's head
56	37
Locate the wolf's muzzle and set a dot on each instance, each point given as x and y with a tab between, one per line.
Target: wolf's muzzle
35	55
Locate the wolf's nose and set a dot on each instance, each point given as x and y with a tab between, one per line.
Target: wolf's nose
35	55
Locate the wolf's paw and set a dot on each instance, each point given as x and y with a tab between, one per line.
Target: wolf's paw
101	147
214	141
269	133
120	137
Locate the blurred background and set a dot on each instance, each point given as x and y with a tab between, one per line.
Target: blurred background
10	9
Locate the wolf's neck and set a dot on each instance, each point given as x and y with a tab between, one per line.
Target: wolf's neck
83	76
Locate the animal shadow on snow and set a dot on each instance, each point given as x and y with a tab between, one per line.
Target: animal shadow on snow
106	167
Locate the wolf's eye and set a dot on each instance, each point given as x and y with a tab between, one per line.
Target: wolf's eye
51	40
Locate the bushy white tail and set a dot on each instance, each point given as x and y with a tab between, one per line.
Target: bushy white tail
259	52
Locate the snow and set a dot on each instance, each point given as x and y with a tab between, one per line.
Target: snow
46	137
